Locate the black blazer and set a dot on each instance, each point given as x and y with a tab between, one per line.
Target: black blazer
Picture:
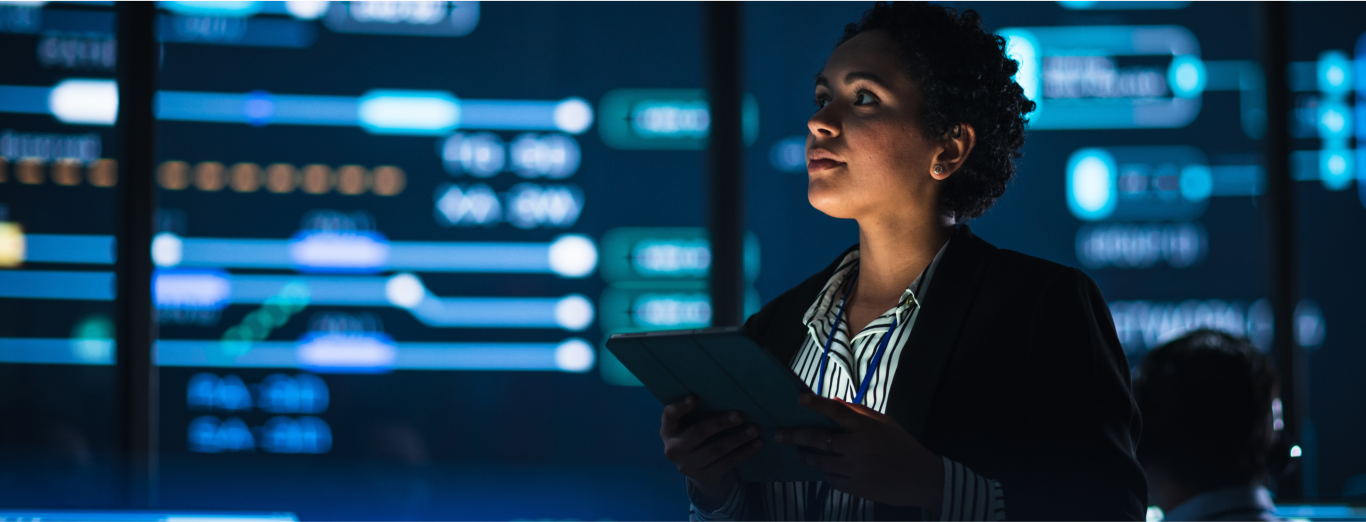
1014	370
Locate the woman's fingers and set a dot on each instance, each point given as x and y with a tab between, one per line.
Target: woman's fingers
834	465
723	446
670	422
685	449
704	429
820	440
733	458
837	410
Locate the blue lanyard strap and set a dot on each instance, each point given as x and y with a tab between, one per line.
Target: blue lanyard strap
877	355
816	500
825	355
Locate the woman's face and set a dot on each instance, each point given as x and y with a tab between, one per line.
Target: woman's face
866	153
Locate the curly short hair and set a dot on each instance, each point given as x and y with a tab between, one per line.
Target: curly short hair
964	77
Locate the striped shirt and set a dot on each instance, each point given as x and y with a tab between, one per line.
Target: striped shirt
967	496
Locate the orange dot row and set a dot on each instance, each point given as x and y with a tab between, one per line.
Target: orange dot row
282	178
36	171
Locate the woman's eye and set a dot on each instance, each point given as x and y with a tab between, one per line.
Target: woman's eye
863	98
819	102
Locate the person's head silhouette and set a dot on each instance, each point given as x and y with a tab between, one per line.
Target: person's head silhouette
1211	427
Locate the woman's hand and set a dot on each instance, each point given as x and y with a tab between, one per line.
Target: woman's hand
874	458
706	459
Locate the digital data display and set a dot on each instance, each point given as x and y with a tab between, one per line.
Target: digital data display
392	237
58	170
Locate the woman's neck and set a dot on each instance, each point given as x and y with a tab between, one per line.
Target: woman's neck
892	253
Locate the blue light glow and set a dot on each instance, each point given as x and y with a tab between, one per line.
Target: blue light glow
19	99
665	311
672	257
1186	76
213	8
195	289
1337	168
1024	49
421	113
572	115
1334	73
1139	246
448	19
339	252
75	249
349	352
36	284
1320	511
86	515
1091	184
56	351
567	256
1114	5
1334	120
208	434
1237	180
207	391
571	355
236	30
1196	182
1071	74
302	435
1144	325
789	154
662	119
386	111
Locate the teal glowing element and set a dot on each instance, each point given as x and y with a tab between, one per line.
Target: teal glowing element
422	113
673	253
92	340
213	8
1077	79
1196	182
665	119
1334	72
1186	76
692	310
1335	120
1092	180
1336	169
1145	184
1117	5
672	258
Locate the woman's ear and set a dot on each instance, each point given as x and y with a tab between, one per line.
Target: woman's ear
957	144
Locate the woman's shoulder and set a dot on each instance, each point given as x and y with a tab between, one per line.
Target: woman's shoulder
1012	271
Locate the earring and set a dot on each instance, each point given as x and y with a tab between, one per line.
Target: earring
938	169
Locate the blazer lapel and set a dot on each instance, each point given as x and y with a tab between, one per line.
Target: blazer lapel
942	315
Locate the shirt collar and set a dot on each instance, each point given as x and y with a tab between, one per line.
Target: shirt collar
833	292
1223	501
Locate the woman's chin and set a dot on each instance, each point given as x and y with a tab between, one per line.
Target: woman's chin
828	203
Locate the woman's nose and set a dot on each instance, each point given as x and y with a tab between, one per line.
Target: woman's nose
824	124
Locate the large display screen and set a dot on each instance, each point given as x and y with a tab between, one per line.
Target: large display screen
393	236
58	177
387	236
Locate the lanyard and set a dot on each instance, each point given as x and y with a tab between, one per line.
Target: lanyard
816	502
877	355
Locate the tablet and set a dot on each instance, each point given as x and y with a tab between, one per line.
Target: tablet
727	371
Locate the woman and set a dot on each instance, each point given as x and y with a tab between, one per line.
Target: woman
971	382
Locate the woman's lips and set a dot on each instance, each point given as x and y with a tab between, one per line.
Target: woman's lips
822	164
